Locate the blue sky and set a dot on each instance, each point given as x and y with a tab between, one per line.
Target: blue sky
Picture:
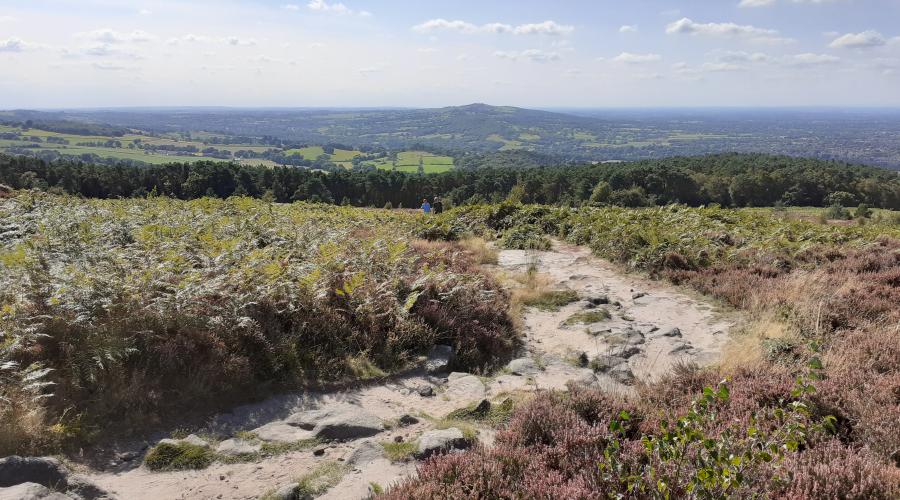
76	53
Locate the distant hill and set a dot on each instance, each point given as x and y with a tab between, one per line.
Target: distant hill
862	136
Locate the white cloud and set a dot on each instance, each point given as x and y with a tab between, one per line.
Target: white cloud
145	12
291	6
769	3
545	28
317	45
631	58
548	27
322	6
686	26
756	3
12	45
7	19
110	36
628	28
809	59
737	56
863	40
228	40
426	50
720	67
533	55
109	66
233	40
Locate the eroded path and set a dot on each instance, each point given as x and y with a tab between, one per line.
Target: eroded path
650	327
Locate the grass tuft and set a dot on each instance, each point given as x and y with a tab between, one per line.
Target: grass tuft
587	317
181	456
399	452
551	300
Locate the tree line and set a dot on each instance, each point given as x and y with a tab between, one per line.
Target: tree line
727	179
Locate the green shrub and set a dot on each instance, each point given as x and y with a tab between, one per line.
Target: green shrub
837	212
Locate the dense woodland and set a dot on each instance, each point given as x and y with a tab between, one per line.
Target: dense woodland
727	179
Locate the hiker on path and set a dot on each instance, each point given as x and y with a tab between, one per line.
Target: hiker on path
426	207
438	205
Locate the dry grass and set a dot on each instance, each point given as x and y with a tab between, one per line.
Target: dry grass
482	252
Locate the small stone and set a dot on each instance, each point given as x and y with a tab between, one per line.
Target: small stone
681	347
407	419
599	299
622	374
398	439
426	391
221	477
674	332
318	452
628	351
604	362
586	378
637	295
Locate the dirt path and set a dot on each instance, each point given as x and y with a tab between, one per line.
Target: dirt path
651	327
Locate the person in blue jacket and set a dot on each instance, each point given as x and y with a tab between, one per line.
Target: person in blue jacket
426	207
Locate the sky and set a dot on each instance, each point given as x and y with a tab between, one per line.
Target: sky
432	53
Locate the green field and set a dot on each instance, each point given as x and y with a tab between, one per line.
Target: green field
408	161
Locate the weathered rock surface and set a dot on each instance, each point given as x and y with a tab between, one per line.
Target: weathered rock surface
439	358
366	452
44	471
604	362
280	432
674	332
31	491
523	366
586	378
338	421
622	374
43	477
467	388
236	446
437	441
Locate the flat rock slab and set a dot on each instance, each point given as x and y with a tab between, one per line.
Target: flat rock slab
338	421
236	446
468	388
437	441
523	366
280	432
366	452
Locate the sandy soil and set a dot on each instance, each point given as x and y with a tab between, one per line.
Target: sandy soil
552	345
